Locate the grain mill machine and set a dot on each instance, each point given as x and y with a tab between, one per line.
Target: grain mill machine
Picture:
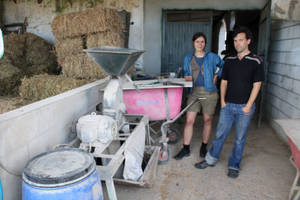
119	140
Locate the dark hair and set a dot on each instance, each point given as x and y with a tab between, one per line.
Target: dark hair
197	35
242	29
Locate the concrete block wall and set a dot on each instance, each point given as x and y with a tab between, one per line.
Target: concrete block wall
283	87
38	127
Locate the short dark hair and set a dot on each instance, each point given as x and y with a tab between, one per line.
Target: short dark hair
243	29
197	35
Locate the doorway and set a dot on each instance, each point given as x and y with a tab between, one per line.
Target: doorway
180	25
177	32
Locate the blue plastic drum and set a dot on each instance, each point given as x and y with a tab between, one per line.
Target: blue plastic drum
63	174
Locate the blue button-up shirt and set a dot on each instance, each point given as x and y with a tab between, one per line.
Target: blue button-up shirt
212	65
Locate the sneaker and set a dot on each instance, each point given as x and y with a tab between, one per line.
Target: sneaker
181	154
203	164
233	173
203	151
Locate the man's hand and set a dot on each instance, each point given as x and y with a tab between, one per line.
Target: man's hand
253	95
223	104
223	88
215	79
188	78
246	109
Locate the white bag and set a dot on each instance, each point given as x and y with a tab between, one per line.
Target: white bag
134	153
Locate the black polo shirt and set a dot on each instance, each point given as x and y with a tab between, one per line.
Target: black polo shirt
240	76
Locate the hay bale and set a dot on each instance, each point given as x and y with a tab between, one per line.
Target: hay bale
36	69
6	105
9	78
27	50
38	51
81	66
68	47
44	86
14	45
90	21
39	54
105	39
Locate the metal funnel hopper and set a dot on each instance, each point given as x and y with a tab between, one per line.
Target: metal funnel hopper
114	60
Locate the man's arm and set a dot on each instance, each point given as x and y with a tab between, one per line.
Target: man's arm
253	95
223	88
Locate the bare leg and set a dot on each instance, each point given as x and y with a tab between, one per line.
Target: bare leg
188	134
207	127
188	128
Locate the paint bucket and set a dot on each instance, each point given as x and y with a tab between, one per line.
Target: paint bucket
62	174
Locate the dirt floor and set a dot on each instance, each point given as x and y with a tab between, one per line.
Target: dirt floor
266	172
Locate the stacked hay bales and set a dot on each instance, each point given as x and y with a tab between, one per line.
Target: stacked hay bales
76	31
25	54
29	61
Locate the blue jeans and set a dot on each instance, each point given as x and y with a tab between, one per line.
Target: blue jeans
231	113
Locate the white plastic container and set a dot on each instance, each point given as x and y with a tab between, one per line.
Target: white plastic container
96	127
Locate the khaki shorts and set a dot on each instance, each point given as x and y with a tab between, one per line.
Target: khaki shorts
207	105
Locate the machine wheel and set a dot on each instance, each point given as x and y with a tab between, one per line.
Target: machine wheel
173	135
163	156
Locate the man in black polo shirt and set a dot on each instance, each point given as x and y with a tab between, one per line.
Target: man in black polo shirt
242	77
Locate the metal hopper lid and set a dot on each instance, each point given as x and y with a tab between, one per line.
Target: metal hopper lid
114	60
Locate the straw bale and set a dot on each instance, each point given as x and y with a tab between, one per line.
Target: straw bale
105	39
40	55
43	86
90	21
6	105
14	45
27	50
5	60
9	78
68	46
81	66
38	51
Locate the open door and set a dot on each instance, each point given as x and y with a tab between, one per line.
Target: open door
262	51
177	32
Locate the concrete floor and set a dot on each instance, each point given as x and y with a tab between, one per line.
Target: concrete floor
266	173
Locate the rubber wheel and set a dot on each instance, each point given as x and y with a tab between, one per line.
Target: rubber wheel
163	157
172	134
